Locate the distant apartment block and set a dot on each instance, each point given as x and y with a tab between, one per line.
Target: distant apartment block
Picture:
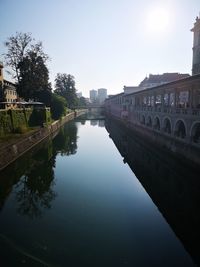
93	95
102	95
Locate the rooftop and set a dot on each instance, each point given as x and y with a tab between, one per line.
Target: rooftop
163	78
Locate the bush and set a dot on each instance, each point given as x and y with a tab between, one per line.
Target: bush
58	106
21	129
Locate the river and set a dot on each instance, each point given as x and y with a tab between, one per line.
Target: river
93	196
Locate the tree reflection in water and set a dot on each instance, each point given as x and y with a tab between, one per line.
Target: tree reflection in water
65	141
34	191
31	177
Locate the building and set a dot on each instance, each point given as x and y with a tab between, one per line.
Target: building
102	95
196	47
166	112
131	89
159	79
93	95
8	93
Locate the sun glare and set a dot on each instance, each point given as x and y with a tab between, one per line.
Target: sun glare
158	20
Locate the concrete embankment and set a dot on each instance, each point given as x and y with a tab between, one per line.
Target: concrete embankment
176	147
11	152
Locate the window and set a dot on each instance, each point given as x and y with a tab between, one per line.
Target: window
158	100
152	100
144	100
149	101
172	99
166	99
183	99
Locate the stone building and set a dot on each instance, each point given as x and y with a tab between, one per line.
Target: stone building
196	47
8	93
159	79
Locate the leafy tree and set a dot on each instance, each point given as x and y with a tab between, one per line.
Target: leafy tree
58	106
16	49
27	60
65	87
82	101
34	78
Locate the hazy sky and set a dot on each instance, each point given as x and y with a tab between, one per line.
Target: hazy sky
106	43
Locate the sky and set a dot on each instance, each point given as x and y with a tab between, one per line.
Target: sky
106	43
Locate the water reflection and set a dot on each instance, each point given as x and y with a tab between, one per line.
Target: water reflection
31	178
65	142
34	191
174	187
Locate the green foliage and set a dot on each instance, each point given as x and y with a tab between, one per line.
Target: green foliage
33	80
21	129
5	122
65	87
17	46
19	121
28	62
58	106
81	102
38	117
48	116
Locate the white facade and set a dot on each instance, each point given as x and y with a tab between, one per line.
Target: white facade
102	95
93	95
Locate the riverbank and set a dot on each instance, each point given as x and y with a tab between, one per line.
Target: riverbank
13	149
174	147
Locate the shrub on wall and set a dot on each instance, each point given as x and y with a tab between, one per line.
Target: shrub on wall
19	120
5	122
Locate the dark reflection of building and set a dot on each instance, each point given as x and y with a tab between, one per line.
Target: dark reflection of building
101	123
32	175
173	186
65	141
93	122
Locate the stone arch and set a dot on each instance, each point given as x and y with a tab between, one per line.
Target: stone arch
149	121
167	126
195	133
142	119
156	124
180	129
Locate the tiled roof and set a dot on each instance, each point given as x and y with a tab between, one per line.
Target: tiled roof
163	78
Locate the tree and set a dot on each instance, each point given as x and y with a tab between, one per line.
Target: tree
17	46
82	102
27	60
58	106
65	87
34	78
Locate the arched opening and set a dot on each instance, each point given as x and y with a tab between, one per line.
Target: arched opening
142	119
156	125
167	126
180	130
195	134
149	122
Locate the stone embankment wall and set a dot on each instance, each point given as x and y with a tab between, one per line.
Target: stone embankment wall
167	144
11	152
17	120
